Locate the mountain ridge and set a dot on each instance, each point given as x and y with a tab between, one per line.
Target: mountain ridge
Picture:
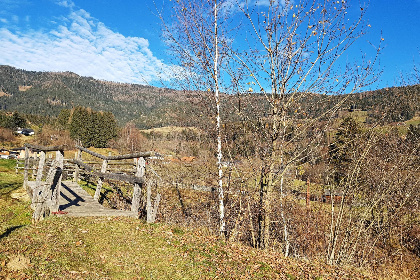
47	93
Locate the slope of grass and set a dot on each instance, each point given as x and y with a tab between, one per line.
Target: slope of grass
126	248
9	181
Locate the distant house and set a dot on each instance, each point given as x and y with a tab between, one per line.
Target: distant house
20	152
337	196
25	131
6	154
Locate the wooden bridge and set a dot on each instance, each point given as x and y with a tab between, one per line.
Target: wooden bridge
50	195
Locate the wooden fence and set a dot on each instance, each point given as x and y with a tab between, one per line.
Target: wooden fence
45	194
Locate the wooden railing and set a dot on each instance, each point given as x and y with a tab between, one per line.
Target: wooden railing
45	194
137	179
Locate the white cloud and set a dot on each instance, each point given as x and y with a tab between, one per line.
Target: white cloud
83	45
233	6
65	3
270	2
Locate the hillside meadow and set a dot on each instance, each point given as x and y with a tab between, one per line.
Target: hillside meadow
127	248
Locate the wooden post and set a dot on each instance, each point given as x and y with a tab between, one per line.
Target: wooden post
78	156
308	195
140	172
41	202
26	174
100	180
55	195
36	159
151	213
149	210
40	171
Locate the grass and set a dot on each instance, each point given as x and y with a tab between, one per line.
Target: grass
127	248
9	181
414	121
168	129
124	248
14	213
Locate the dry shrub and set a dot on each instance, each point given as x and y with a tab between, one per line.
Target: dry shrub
50	136
130	140
6	135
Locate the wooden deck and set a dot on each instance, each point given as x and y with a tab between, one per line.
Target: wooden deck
76	202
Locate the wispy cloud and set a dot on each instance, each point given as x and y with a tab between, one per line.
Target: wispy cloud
84	45
65	3
270	2
233	6
8	4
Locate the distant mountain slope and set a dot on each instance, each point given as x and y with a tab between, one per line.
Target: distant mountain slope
47	93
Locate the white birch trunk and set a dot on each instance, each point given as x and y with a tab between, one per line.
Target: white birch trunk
218	127
285	232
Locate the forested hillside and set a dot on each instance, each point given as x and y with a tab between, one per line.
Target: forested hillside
47	93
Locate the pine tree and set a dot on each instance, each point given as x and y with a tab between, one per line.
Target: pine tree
341	150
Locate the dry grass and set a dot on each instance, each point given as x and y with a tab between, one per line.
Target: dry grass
126	248
169	129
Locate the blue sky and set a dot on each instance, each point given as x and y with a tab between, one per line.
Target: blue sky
121	40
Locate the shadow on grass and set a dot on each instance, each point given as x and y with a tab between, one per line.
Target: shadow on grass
104	192
104	196
9	231
7	188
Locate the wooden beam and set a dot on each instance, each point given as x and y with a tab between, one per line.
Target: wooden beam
44	149
128	156
109	176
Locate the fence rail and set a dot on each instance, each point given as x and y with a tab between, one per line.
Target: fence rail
45	194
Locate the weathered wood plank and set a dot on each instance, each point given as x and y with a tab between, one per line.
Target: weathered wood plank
40	171
151	210
100	180
76	172
45	149
41	202
140	171
26	173
109	176
55	192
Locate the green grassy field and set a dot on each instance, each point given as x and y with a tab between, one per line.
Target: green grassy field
126	248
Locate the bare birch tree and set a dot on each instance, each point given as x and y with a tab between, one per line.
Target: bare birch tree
195	38
293	53
290	52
